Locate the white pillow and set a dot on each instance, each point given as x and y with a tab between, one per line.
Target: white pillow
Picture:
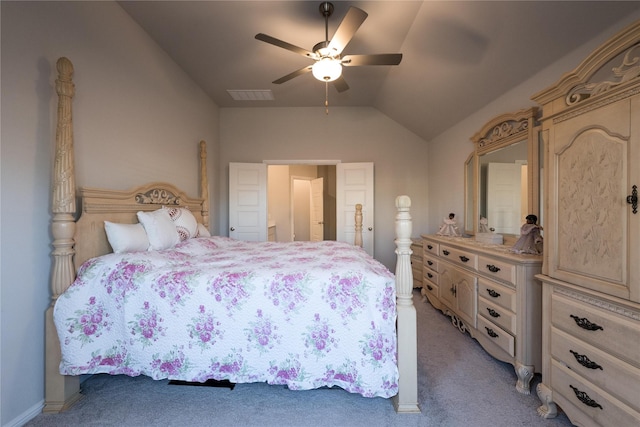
126	237
202	231
160	229
185	222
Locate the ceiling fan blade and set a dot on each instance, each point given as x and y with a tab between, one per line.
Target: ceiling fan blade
346	30
277	42
340	84
292	75
375	59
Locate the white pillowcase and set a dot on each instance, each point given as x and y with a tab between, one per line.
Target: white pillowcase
160	229
185	222
202	231
126	237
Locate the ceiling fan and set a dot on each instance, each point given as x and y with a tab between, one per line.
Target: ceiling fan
328	54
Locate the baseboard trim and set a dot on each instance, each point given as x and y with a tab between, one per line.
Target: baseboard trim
27	415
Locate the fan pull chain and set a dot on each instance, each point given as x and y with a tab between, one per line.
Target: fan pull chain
326	98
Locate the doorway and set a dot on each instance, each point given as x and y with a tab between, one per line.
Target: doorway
251	218
290	200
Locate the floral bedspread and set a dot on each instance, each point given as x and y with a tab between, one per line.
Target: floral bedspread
301	314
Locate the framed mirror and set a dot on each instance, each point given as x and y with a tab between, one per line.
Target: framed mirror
506	174
469	193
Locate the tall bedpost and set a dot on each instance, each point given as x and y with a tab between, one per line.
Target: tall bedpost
61	391
204	184
406	401
358	219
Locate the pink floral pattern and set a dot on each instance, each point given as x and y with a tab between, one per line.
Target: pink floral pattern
301	314
147	326
204	329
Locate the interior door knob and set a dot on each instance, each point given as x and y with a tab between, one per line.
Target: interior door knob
233	229
370	228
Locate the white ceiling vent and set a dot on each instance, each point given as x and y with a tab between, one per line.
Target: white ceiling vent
251	95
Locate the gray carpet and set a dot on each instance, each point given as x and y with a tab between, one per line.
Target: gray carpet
459	385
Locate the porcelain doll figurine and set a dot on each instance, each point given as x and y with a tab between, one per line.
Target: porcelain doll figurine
449	226
484	225
530	241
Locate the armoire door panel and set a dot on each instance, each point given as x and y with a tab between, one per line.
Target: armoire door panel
591	223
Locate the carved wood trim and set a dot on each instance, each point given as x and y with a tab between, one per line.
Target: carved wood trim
576	81
599	302
504	130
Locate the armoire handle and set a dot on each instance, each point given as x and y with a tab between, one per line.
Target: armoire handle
585	361
584	323
633	199
584	398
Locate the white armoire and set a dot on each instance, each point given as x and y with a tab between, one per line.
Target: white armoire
591	266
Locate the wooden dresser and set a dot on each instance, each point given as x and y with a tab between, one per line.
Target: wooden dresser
416	262
490	293
591	273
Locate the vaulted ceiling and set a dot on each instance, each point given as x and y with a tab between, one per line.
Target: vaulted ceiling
457	55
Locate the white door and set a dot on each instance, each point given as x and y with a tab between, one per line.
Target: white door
248	201
354	184
317	210
503	197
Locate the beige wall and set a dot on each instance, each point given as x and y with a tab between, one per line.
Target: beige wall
137	118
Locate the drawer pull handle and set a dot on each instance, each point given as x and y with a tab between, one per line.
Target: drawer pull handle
492	268
430	262
584	398
430	287
445	252
493	293
584	323
430	275
492	312
453	290
491	333
585	361
463	258
429	246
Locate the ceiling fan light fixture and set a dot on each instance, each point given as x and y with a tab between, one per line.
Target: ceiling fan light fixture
327	69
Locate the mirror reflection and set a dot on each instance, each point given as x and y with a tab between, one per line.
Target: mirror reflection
504	187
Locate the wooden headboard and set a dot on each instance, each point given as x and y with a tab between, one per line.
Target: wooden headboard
99	205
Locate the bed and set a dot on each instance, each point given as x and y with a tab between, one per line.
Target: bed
201	307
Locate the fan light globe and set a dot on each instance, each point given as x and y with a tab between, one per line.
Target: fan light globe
327	69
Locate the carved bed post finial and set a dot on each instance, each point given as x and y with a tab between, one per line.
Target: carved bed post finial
61	391
64	186
407	398
358	219
204	184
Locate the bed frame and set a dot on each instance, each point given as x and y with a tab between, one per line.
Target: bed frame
75	241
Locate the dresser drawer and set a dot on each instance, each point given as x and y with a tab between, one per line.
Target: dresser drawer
430	248
416	258
460	257
431	288
614	333
498	315
431	263
497	269
497	293
612	375
595	403
431	276
499	336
